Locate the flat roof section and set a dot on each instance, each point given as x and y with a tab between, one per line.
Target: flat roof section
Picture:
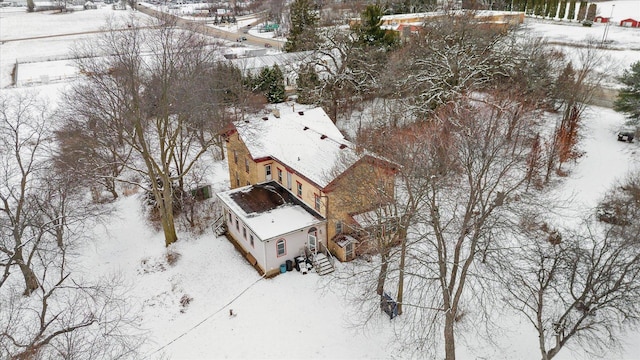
270	210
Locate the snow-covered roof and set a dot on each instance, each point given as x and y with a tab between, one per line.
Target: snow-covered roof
286	61
305	141
269	210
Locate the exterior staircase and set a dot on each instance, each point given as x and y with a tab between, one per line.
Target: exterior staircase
220	226
322	264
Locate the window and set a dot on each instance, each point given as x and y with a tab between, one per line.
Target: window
235	156
281	248
289	183
299	188
246	165
318	202
230	218
237	225
280	176
251	239
339	227
244	232
237	179
267	171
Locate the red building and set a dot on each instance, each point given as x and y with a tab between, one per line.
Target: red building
630	23
601	19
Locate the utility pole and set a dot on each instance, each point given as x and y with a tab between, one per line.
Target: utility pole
606	28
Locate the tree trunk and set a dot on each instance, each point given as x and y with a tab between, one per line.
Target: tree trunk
403	252
449	339
169	228
30	279
166	214
382	275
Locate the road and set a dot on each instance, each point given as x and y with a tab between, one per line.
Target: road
200	27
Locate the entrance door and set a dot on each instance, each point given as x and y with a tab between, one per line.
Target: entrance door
312	240
349	250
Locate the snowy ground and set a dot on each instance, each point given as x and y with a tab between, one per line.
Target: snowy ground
292	315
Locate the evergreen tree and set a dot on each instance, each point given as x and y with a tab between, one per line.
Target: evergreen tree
275	93
271	83
369	31
591	13
582	10
308	85
563	9
538	7
628	100
304	20
572	10
553	8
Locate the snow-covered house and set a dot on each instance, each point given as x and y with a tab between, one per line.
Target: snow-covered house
289	64
304	153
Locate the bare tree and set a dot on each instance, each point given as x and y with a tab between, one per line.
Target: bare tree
146	88
46	311
23	138
575	288
453	55
476	166
574	89
347	71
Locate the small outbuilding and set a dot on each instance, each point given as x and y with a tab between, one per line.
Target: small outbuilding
630	23
601	19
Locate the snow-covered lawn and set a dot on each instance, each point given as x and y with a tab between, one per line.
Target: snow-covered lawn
291	316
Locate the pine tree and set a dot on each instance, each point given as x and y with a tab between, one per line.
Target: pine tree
271	83
275	93
582	11
572	10
304	20
538	8
369	30
308	85
563	9
553	8
591	12
628	100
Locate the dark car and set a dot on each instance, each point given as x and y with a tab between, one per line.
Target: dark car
267	45
626	134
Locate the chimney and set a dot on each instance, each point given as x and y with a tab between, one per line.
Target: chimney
300	113
343	146
276	113
265	118
322	137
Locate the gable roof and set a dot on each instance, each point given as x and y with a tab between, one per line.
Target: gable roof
269	210
306	141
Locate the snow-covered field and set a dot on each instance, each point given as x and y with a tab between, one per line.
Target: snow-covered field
291	316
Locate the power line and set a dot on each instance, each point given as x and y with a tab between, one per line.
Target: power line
205	319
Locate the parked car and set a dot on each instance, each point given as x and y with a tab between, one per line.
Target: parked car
241	39
626	134
267	45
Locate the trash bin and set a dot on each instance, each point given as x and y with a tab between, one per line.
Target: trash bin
289	264
283	268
